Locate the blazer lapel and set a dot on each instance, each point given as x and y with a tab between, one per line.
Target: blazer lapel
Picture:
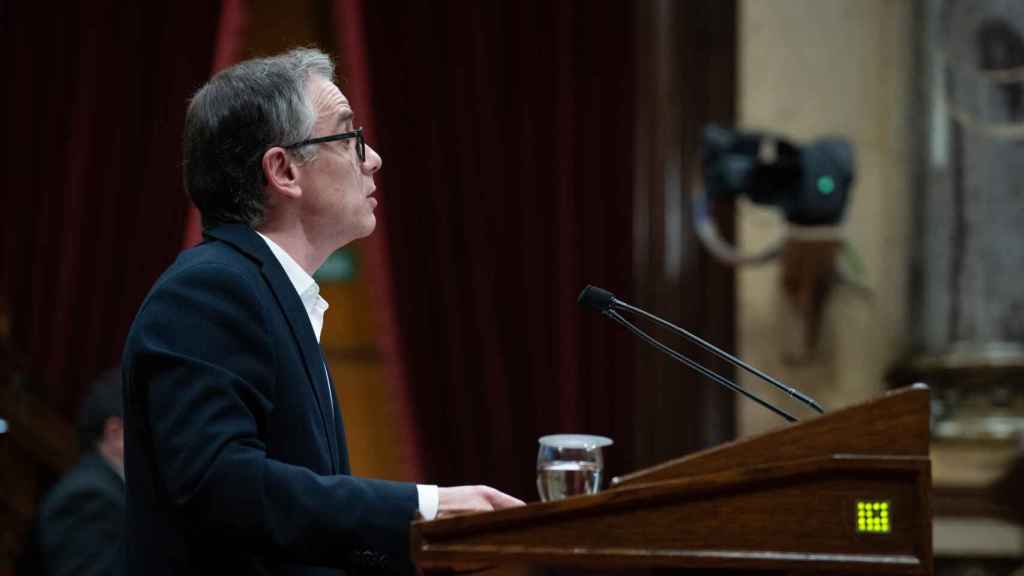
298	320
248	241
339	430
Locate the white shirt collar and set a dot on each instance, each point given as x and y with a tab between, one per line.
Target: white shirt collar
306	287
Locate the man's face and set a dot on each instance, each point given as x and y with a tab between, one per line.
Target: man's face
336	185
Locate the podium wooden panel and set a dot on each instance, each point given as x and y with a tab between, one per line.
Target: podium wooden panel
786	500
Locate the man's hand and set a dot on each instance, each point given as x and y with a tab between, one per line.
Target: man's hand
461	499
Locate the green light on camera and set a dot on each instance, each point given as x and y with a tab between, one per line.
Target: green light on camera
826	185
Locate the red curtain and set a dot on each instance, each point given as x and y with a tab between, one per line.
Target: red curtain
506	132
94	208
230	42
351	47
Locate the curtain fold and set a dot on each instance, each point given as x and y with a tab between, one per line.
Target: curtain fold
348	17
506	132
94	207
228	48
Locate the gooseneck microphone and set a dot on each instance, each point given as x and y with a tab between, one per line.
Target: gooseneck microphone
607	304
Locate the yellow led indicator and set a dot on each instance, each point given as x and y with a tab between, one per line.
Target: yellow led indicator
873	516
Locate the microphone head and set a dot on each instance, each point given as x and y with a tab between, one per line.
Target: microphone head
597	298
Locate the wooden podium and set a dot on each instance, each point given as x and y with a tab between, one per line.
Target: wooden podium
846	492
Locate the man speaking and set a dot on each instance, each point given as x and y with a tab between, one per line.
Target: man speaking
235	453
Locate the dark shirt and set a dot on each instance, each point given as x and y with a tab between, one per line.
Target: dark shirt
81	521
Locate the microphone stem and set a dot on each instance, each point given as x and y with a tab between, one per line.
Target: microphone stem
695	366
793	392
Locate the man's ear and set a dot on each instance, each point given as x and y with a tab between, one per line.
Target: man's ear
281	172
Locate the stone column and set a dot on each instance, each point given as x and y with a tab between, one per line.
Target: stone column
967	305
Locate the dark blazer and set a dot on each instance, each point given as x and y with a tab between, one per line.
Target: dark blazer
81	521
235	460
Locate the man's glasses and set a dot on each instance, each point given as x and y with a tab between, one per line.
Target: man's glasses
357	134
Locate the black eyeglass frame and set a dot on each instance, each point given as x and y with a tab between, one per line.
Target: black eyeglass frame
357	134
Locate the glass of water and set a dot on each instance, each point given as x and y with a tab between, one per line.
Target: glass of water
569	465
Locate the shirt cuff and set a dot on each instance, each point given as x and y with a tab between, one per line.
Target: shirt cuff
428	500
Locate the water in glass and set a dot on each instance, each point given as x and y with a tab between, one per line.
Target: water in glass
569	465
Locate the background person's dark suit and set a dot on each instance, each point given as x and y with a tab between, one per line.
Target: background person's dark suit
235	460
81	521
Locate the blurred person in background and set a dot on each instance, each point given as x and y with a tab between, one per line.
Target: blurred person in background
79	527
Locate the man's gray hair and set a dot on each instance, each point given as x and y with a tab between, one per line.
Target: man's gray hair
237	116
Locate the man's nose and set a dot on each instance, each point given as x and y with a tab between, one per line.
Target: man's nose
373	161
